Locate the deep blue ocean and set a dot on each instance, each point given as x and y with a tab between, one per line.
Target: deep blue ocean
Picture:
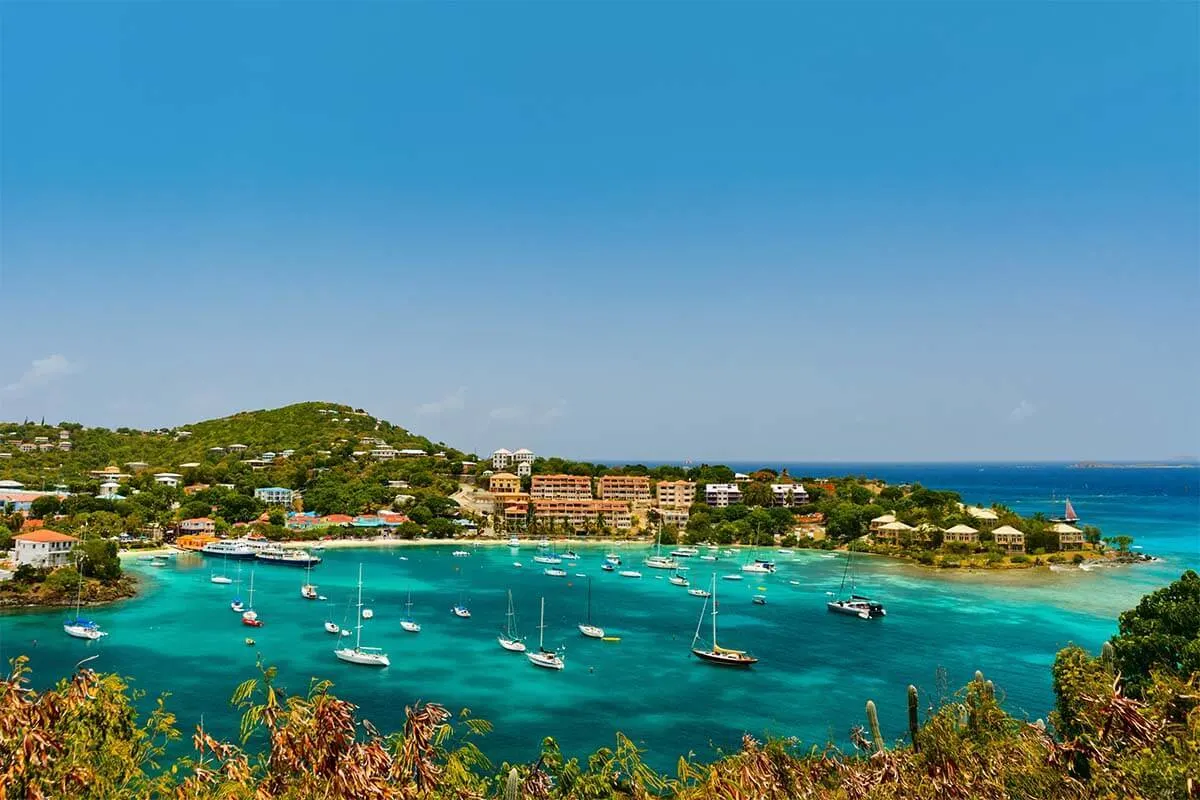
816	670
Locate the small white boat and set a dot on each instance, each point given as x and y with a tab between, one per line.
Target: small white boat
708	558
554	572
332	627
685	552
613	558
760	599
461	611
509	639
220	579
407	623
678	580
237	606
514	541
461	553
367	613
731	577
547	659
699	593
587	628
630	573
607	566
517	564
547	560
404	558
760	566
580	574
309	592
79	627
784	552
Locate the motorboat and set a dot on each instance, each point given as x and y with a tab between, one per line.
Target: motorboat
685	552
731	577
332	627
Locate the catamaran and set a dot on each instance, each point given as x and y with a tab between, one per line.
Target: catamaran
549	659
658	560
250	616
79	627
367	656
408	623
761	566
587	628
222	578
509	639
717	654
855	605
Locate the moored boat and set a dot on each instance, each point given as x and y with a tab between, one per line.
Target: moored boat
229	548
287	557
555	572
716	654
365	656
587	628
547	659
630	573
508	638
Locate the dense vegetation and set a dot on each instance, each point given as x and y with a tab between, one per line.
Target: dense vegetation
1126	725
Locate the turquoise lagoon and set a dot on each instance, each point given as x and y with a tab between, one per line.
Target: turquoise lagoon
816	669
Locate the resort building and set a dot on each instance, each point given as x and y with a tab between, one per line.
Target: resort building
961	533
788	494
523	456
633	488
274	495
675	494
43	548
881	520
524	469
677	517
198	525
985	518
236	448
721	495
1011	539
504	483
564	487
583	513
1069	537
889	533
110	473
193	541
501	458
171	479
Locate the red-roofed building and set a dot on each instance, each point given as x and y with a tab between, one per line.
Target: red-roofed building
337	519
198	525
43	548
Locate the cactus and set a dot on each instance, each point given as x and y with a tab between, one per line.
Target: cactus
989	690
873	723
978	676
1107	654
914	724
512	786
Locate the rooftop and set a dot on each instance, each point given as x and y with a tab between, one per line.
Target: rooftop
45	535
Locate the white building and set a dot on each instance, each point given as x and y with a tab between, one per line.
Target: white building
722	494
788	494
501	458
524	469
168	478
44	548
412	452
109	490
384	453
274	495
523	456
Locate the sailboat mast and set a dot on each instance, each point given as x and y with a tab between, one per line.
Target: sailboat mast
542	627
589	622
358	627
714	611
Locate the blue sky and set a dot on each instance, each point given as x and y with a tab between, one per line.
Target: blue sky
907	231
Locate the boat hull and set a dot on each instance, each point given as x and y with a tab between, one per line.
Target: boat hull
84	632
352	656
411	627
545	660
850	610
725	659
591	631
511	645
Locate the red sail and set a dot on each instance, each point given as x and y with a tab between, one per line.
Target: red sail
1071	516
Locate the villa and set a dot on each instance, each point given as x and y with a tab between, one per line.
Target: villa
880	521
43	548
890	532
984	517
962	533
171	479
1011	539
788	494
1069	537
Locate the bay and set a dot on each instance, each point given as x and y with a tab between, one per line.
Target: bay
816	670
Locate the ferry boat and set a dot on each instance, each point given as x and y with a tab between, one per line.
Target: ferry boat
229	548
287	557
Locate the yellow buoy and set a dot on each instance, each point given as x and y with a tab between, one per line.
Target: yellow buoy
612	639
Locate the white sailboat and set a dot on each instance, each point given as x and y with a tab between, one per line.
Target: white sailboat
658	560
222	578
79	627
587	628
855	605
408	623
717	654
250	616
236	605
308	590
509	639
548	659
367	656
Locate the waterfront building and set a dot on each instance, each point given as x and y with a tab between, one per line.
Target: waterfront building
1069	537
674	516
633	488
568	487
1011	539
961	533
274	495
880	521
675	494
198	525
788	494
43	548
721	495
889	533
504	483
578	513
985	518
194	541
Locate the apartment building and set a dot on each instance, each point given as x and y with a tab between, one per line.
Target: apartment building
677	517
274	495
561	487
721	495
631	488
675	494
788	494
504	483
578	513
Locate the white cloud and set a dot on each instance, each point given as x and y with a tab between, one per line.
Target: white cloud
553	412
1022	412
455	401
40	372
507	413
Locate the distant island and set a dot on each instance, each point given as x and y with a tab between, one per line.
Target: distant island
321	470
1180	464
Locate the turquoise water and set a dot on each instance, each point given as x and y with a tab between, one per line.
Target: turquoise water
815	673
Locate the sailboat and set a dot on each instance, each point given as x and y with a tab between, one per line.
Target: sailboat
717	654
678	580
549	659
367	656
222	578
407	623
658	560
1069	516
509	640
308	590
236	605
250	616
587	628
79	627
460	609
854	605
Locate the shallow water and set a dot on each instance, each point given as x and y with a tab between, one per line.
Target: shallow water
816	669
